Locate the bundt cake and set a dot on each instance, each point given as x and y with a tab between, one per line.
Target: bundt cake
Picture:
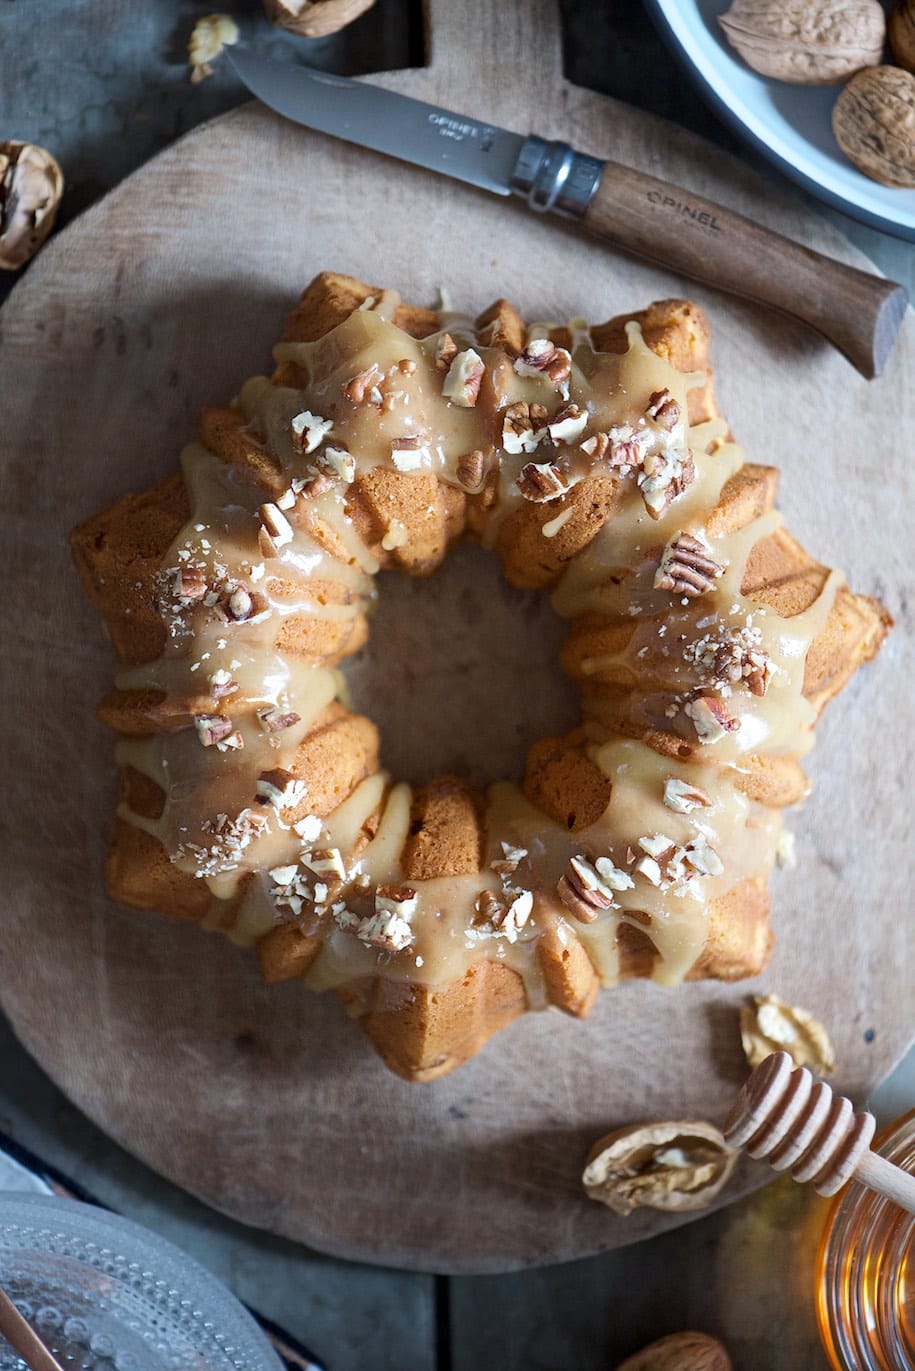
704	639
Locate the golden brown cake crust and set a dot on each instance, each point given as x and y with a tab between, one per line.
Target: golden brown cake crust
445	844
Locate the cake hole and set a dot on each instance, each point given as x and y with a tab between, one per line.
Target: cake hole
460	673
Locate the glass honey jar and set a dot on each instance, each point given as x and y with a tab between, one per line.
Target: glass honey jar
865	1272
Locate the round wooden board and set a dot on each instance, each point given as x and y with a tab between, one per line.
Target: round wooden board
268	1103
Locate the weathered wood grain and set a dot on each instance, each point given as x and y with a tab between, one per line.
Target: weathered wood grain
268	1104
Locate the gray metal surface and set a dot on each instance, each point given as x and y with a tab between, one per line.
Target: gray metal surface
452	144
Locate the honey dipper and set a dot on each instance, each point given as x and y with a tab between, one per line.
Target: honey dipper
796	1123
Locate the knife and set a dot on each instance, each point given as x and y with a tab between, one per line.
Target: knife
858	312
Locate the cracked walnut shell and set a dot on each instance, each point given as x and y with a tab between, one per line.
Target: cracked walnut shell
771	1025
674	1166
31	184
810	42
315	18
874	124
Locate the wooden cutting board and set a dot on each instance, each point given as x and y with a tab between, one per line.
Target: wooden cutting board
268	1103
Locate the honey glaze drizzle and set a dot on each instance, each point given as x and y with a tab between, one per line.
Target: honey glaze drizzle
712	668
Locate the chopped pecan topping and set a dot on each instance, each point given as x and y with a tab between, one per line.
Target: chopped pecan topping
213	728
407	453
387	931
315	486
488	906
326	861
275	530
711	718
682	797
518	431
588	887
462	382
507	864
687	567
190	585
543	358
664	477
400	900
363	388
273	720
734	657
308	431
240	605
336	461
222	684
568	424
279	788
541	481
445	352
663	408
596	446
406	366
471	470
511	918
287	499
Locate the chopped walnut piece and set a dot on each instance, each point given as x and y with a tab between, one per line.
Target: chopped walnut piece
212	728
471	470
682	797
462	382
711	718
663	408
445	352
309	431
518	432
209	36
772	1025
672	1166
541	357
687	567
363	388
541	482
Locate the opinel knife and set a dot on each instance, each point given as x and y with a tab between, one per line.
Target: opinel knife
858	312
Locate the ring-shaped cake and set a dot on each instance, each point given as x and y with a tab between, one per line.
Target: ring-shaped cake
703	638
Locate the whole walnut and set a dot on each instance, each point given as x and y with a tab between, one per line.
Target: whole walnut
680	1352
874	124
901	33
31	184
812	42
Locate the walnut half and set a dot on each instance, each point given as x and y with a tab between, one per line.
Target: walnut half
31	184
673	1166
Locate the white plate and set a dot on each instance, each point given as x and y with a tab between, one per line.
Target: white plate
789	124
107	1295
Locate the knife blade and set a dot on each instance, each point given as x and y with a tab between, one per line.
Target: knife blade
858	312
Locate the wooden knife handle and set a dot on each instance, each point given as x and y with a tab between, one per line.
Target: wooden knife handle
859	313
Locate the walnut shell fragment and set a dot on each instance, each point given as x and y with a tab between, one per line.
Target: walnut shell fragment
680	1352
874	124
31	184
810	42
673	1166
209	36
770	1025
315	18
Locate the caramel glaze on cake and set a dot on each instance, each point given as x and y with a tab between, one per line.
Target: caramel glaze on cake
704	639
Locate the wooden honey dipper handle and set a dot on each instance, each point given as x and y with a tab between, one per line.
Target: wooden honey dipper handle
797	1123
